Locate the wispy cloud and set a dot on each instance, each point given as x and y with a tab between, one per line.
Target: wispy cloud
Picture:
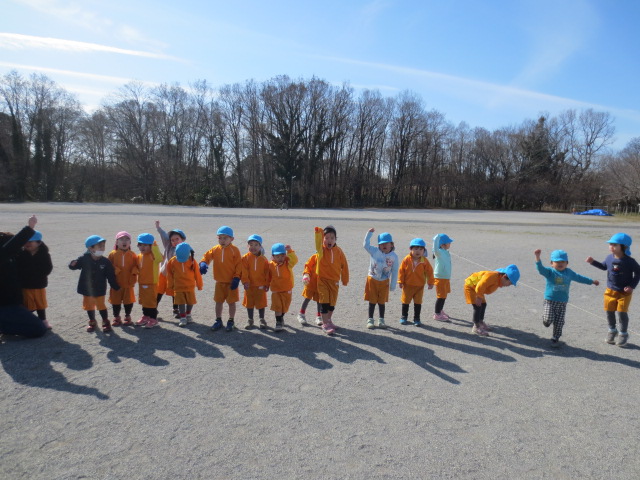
16	41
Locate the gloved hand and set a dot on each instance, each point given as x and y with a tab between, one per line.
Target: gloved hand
235	282
306	279
203	268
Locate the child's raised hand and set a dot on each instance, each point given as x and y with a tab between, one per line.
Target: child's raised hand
371	230
32	221
287	248
537	252
589	260
157	223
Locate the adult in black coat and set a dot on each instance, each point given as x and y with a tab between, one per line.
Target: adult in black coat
15	319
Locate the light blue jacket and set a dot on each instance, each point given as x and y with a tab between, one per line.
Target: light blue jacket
382	266
442	267
558	283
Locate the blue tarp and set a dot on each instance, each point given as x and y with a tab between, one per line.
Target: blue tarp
596	211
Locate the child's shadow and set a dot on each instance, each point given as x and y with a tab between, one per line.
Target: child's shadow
305	344
142	344
29	362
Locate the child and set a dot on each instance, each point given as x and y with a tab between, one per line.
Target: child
479	284
149	261
96	271
255	280
310	291
183	275
227	270
169	241
125	264
556	294
415	271
383	275
331	267
281	280
623	275
34	266
442	273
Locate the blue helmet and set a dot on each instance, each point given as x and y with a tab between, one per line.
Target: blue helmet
179	232
224	230
444	239
93	240
559	256
512	273
37	237
146	238
255	238
622	239
278	249
418	242
384	238
183	250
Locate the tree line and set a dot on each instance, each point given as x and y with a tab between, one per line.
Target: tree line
304	142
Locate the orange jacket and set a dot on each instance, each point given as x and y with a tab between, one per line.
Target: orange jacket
149	266
332	262
227	262
255	270
281	276
484	283
415	275
183	277
125	264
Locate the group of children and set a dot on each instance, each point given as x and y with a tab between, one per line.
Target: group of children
177	274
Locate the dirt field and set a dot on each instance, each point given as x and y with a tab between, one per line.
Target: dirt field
408	402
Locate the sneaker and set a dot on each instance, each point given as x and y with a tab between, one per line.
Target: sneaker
441	317
117	321
417	322
486	327
621	341
371	323
152	322
332	325
444	314
611	337
217	325
319	321
555	343
127	321
249	325
106	326
279	325
547	322
176	313
143	321
478	330
404	321
263	323
182	322
92	326
230	326
302	319
189	318
46	324
326	328
381	323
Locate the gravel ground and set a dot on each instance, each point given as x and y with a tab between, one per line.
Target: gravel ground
408	402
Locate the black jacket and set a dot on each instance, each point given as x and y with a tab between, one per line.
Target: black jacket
94	276
34	269
10	289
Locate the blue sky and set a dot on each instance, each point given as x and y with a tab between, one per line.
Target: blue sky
491	64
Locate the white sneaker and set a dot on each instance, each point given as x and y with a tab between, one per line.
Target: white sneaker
319	321
381	323
182	322
189	319
302	319
371	323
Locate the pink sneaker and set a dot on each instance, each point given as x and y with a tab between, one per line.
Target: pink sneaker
486	327
442	312
479	331
332	325
440	317
117	321
152	322
328	329
47	325
143	321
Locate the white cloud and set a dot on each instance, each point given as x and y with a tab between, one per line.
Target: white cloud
16	41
